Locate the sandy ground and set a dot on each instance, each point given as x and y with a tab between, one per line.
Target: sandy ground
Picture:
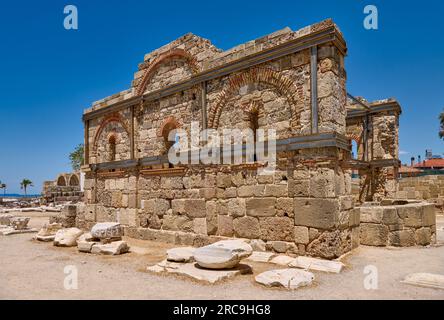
32	270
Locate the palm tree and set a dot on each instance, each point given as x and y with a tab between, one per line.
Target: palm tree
25	184
3	186
441	128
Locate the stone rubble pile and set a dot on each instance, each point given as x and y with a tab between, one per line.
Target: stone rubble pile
221	260
104	238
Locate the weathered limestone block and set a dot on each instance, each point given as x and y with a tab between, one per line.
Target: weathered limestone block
251	191
200	226
284	207
278	246
301	235
299	188
247	227
236	207
67	237
322	183
330	244
225	226
423	236
403	238
316	213
274	190
194	208
374	234
113	248
127	217
262	207
277	228
107	230
48	232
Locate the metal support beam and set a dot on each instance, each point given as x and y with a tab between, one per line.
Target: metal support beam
204	105
132	133
314	89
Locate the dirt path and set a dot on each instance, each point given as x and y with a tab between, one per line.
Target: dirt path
31	270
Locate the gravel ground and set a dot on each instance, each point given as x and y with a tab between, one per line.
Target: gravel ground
32	270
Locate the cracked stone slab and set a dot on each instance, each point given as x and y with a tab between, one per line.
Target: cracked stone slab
282	260
428	280
290	279
309	263
225	254
192	270
259	256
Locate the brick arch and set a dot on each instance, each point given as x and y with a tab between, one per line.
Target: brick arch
282	84
109	119
168	123
74	181
175	53
61	181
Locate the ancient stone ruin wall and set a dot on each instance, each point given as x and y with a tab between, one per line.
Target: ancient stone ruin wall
65	188
400	224
305	207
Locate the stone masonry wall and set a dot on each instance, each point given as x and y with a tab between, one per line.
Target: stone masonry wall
400	225
306	207
421	188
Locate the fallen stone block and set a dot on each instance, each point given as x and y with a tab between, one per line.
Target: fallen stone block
67	237
85	246
184	254
286	278
193	271
5	219
427	280
48	232
107	230
113	248
224	254
309	263
259	256
19	223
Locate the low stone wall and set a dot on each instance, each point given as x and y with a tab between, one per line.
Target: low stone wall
424	187
398	223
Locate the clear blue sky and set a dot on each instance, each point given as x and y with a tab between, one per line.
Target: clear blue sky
48	75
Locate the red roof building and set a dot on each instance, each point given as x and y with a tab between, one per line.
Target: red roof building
433	164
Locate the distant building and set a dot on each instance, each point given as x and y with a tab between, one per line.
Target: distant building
430	164
405	171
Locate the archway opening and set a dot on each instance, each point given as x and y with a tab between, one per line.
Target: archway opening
61	181
112	148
